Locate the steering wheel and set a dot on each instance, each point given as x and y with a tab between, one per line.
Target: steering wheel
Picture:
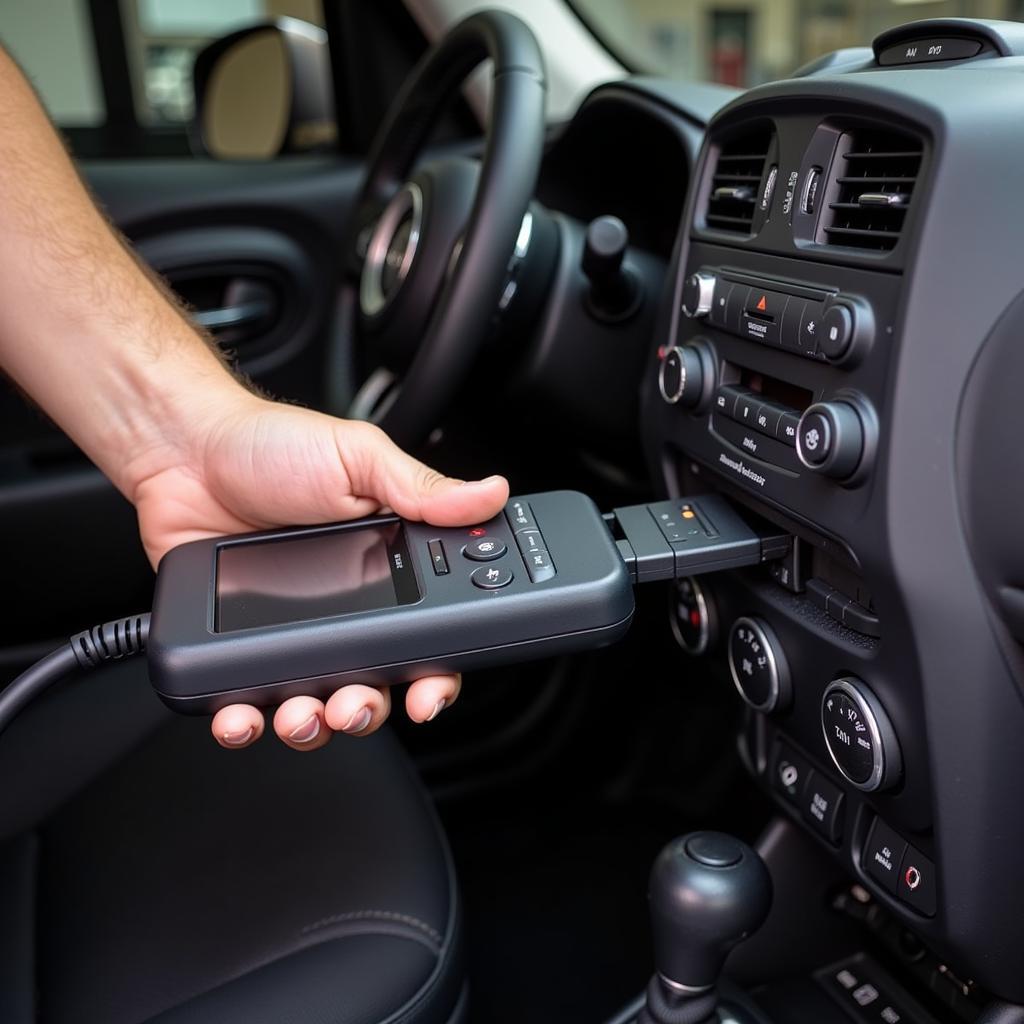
434	250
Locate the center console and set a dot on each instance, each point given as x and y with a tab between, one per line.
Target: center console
809	365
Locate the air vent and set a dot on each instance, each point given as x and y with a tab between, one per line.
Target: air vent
875	173
736	183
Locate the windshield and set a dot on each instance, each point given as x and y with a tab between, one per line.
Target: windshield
746	42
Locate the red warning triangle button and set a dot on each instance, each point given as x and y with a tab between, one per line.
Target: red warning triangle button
762	303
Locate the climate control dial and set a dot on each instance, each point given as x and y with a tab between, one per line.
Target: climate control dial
831	439
686	375
758	666
698	291
859	735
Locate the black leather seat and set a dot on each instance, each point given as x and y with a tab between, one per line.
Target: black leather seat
184	883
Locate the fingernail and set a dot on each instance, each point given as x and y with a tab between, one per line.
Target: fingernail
482	483
307	732
438	708
236	739
359	721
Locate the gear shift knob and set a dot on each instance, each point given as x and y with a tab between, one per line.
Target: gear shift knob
708	891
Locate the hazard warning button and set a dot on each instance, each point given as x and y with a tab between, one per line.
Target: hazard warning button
762	315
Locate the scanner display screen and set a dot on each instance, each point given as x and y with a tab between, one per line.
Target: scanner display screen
275	581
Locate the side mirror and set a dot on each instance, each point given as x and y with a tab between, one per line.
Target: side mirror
263	91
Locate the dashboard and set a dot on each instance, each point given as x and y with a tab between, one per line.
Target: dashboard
836	352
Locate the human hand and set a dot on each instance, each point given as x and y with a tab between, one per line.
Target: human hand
251	464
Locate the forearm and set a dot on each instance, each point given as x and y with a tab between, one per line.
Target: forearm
83	329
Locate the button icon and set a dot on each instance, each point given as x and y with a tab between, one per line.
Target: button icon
762	303
865	995
811	327
812	439
912	877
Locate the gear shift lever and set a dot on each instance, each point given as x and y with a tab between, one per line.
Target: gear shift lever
707	892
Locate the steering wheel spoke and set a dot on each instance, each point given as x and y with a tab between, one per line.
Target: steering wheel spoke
423	314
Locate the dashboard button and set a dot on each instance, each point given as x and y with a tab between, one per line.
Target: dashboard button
789	774
746	409
520	516
814	439
791	319
836	332
767	305
538	565
923	51
762	315
767	419
811	328
788	423
529	541
485	549
735	306
883	855
719	315
917	882
822	807
725	400
491	577
438	559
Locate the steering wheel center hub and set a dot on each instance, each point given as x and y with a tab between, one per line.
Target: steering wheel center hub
391	250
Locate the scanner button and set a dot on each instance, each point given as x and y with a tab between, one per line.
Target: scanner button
438	558
529	541
520	516
485	549
538	564
491	577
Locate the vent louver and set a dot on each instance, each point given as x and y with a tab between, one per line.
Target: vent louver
875	172
736	182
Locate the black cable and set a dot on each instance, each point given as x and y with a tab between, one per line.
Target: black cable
111	641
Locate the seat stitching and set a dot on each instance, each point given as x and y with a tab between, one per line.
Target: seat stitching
376	915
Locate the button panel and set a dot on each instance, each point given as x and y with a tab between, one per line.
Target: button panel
899	868
812	324
530	542
770	419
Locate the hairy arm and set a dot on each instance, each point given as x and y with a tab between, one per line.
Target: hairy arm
101	345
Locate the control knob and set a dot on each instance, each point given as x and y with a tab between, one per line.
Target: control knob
686	375
698	291
859	736
831	439
758	666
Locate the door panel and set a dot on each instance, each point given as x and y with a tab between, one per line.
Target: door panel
261	238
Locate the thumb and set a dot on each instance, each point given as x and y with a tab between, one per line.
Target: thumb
379	469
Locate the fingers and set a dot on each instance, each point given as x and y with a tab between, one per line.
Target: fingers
379	468
305	723
358	710
237	726
299	723
428	697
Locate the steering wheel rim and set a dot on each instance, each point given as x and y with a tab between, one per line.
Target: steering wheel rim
463	309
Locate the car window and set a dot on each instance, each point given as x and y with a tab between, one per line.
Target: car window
116	76
162	38
754	41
